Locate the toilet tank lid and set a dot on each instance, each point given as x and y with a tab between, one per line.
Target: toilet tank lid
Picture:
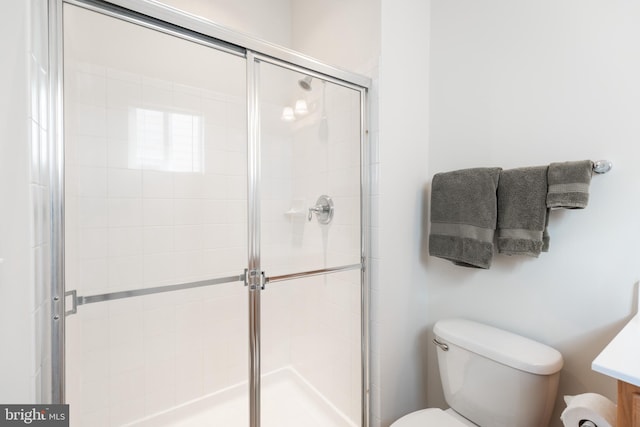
499	345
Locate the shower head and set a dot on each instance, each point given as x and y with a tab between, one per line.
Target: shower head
305	83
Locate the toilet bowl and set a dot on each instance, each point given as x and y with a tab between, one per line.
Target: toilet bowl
490	378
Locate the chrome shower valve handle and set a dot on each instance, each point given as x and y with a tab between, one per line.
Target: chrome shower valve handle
323	210
316	209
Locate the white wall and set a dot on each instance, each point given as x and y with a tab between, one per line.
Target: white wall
521	84
24	236
404	121
267	20
512	84
15	273
339	32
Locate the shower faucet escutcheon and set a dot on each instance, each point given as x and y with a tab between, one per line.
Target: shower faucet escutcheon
323	210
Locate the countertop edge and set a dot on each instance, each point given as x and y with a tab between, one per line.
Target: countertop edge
620	359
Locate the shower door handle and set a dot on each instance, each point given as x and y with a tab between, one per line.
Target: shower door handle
323	210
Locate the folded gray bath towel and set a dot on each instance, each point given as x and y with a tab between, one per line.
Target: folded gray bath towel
569	184
463	216
522	211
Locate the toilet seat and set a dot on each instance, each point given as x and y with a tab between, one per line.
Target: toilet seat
430	417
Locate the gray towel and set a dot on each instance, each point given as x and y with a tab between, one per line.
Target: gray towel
522	211
569	184
463	216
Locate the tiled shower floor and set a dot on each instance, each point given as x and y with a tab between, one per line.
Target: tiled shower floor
287	401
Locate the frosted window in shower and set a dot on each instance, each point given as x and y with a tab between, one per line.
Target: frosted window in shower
166	141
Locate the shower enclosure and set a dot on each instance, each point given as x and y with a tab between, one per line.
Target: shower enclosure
210	226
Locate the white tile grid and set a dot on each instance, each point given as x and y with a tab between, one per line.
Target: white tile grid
152	227
326	338
278	240
158	357
127	206
140	227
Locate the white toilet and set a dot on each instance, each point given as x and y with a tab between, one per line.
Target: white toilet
490	378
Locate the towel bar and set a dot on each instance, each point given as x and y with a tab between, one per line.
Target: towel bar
602	166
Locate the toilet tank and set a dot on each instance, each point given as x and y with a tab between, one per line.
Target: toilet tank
496	378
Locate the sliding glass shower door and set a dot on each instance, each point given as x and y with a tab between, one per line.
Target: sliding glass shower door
310	226
213	239
156	166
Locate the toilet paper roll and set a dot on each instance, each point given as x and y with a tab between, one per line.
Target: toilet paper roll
589	407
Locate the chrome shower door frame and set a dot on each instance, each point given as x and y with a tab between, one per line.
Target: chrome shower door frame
174	22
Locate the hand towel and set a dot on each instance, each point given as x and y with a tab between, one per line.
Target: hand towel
569	184
522	211
463	216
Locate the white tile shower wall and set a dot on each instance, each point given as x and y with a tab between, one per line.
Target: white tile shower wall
278	240
327	161
326	341
166	382
313	324
141	221
325	338
279	251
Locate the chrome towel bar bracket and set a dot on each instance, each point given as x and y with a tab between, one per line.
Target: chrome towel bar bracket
602	166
